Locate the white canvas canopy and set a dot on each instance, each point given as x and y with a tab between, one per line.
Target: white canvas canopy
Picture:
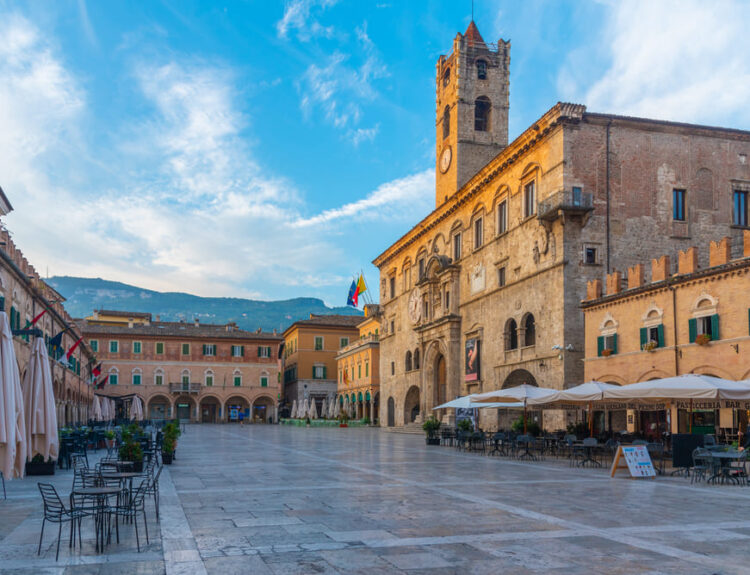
337	409
467	402
39	404
12	421
689	386
525	393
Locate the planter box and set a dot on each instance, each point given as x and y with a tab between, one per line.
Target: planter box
343	425
40	468
432	440
166	458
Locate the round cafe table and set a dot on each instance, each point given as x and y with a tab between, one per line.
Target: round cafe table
123	476
101	494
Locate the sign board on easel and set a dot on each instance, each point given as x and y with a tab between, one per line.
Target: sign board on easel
637	460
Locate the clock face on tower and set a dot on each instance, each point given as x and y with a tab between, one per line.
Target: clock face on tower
445	159
415	308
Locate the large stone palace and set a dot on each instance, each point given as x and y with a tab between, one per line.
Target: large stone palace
486	289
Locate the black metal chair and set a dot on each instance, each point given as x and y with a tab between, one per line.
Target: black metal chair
153	489
701	464
55	511
656	450
129	509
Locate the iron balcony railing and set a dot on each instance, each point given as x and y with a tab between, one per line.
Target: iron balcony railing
185	387
566	201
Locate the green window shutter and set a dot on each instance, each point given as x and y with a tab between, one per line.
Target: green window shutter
660	330
644	336
614	344
715	327
2	303
324	372
259	351
242	351
204	349
693	329
599	345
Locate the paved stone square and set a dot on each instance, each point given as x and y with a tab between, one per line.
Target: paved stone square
282	500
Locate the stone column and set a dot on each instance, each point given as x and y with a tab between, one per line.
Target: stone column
276	413
372	410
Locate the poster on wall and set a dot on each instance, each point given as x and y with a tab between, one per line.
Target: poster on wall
469	413
472	359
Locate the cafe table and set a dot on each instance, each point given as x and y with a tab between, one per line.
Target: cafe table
721	471
101	494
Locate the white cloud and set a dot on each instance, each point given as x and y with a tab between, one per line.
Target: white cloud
298	17
413	193
678	60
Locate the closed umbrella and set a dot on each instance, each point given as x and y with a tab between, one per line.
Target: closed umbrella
324	409
137	408
12	421
97	409
332	408
305	409
337	408
39	403
293	414
313	409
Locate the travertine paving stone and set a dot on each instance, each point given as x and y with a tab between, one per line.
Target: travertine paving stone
278	500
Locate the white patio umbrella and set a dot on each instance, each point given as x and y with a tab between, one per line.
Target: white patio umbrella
467	402
688	386
97	409
293	413
12	421
39	404
584	394
332	407
324	409
337	408
136	409
313	409
525	393
305	409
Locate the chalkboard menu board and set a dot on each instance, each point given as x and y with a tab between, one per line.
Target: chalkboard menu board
683	445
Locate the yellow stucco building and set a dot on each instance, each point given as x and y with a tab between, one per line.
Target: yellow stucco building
358	387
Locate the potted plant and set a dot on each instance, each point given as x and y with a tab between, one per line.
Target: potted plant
307	422
167	449
606	352
703	339
37	466
650	346
343	420
431	427
131	451
465	425
109	438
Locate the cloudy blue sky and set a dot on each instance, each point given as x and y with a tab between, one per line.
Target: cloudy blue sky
271	149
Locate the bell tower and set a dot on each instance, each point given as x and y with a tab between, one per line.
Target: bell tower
472	93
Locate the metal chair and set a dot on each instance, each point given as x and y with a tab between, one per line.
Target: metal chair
130	509
153	489
701	464
56	512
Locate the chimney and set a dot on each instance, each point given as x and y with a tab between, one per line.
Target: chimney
746	243
660	269
687	261
158	317
635	276
614	282
274	331
130	322
196	322
258	330
720	252
593	289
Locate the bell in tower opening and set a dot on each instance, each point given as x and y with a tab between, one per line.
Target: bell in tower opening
471	124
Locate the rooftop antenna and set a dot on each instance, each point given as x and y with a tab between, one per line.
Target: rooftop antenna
472	10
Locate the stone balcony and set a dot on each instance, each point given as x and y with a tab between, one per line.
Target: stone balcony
372	338
185	388
565	201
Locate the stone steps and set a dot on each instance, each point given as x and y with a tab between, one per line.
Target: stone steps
410	428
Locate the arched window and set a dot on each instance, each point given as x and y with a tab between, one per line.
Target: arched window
511	334
482	110
416	358
481	69
446	122
136	376
529	330
407	362
159	376
446	77
209	378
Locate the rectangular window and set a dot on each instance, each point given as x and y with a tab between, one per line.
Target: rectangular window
393	327
136	379
367	369
237	380
318	343
740	208
502	217
319	372
393	368
478	233
608	343
264	381
239	351
263	351
343	342
359	371
94	345
112	379
456	247
185	380
529	199
447	301
159	348
209	349
209	381
708	325
577	198
137	347
678	205
420	263
392	286
114	346
185	349
501	276
159	380
589	256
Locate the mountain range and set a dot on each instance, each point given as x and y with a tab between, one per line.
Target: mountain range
84	295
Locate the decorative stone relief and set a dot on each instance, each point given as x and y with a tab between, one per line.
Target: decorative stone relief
477	278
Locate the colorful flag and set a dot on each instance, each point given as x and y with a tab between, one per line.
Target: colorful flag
352	299
97	371
56	341
36	319
361	286
72	349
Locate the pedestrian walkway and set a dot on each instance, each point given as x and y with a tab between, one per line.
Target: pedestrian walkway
282	500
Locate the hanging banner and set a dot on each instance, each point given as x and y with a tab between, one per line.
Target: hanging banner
473	359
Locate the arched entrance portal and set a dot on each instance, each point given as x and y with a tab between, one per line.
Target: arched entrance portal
209	411
185	406
391	412
235	406
440	381
518	377
411	405
263	410
158	408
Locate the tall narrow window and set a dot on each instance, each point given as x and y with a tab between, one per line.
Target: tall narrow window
137	347
392	284
446	122
159	347
502	217
318	343
446	77
481	70
577	196
501	276
457	247
482	110
740	208
421	268
529	199
678	205
478	233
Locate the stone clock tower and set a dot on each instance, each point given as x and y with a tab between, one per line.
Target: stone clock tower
472	109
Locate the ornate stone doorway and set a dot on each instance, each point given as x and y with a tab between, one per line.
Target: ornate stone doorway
391	412
411	405
440	381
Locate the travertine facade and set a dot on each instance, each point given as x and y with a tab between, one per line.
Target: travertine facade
23	296
505	260
653	329
359	370
190	371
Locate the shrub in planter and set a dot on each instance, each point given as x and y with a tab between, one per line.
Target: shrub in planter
606	352
465	425
167	449
431	427
132	451
703	339
37	466
109	438
532	427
